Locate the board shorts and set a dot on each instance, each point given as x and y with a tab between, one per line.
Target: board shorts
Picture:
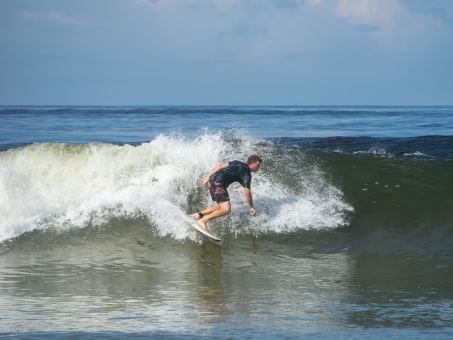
218	192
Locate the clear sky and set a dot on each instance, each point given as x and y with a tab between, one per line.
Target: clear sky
226	52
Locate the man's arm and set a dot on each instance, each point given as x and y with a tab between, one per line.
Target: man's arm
217	168
249	199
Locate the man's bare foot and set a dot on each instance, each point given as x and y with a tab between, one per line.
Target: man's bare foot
196	216
202	224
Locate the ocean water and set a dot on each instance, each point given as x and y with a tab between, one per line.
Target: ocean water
353	236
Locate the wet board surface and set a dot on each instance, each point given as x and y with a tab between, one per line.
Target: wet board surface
206	233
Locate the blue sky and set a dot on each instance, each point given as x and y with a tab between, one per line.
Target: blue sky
226	52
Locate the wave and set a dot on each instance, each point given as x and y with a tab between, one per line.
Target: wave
438	147
361	185
57	186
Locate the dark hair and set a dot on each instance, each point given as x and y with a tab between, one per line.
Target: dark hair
253	158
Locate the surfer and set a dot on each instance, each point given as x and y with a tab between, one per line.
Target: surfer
218	181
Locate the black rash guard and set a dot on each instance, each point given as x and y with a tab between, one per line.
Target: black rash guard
235	172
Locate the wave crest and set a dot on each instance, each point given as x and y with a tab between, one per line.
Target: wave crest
61	186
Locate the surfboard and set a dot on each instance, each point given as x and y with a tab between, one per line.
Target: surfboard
206	233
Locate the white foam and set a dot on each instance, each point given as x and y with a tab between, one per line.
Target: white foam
315	205
373	151
416	153
53	185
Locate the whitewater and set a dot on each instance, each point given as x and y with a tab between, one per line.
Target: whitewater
60	186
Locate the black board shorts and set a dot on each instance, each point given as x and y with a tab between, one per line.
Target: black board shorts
218	192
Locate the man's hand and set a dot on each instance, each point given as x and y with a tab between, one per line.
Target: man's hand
204	181
217	168
252	211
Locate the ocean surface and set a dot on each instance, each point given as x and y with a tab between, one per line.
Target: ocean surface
353	236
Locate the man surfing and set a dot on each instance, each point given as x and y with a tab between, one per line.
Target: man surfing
218	181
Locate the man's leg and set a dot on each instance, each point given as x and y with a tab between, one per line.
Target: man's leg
206	211
223	208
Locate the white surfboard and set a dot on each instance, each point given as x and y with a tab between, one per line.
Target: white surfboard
206	233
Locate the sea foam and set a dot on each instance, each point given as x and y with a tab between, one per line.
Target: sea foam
59	186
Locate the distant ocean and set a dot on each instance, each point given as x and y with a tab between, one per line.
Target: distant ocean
353	236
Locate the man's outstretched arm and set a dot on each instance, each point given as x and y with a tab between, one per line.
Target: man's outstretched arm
249	199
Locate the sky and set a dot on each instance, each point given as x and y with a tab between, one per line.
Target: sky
226	52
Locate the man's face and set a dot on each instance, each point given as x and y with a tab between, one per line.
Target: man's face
254	167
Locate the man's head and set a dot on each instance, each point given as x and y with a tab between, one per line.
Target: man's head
254	163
